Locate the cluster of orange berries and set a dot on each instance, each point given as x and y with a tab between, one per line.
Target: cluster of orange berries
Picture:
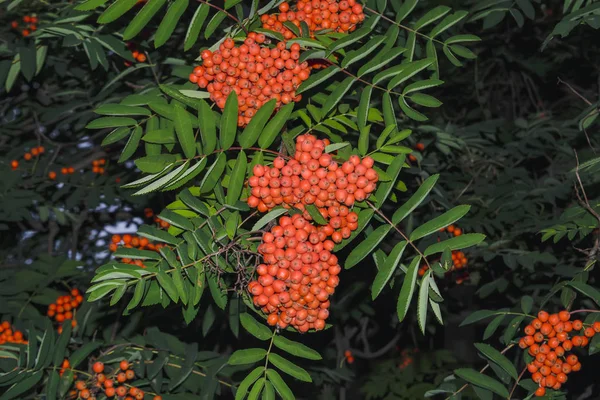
34	152
66	364
418	147
135	53
299	271
255	73
10	335
349	357
313	177
98	166
407	358
338	16
136	242
101	382
149	213
64	308
549	337
30	22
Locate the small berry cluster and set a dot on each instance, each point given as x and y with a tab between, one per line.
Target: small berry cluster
10	335
255	73
313	177
66	364
129	242
34	152
101	382
349	357
64	308
139	56
98	166
549	337
67	170
420	147
406	358
30	25
338	16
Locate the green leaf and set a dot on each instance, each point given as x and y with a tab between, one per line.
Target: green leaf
132	144
208	127
111	122
195	26
442	221
363	107
90	5
455	243
318	78
229	121
347	40
156	234
268	391
364	248
275	126
214	23
295	348
61	344
586	290
248	380
433	15
168	285
237	179
424	100
479	315
423	300
169	22
255	328
289	367
381	60
478	379
254	129
28	61
408	288
22	386
154	164
142	18
415	200
282	388
421	85
185	134
138	294
448	22
411	112
218	295
116	10
213	174
247	356
315	214
385	188
256	389
120	109
116	135
387	269
268	217
409	71
495	356
338	93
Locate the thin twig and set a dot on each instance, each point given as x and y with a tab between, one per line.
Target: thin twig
237	21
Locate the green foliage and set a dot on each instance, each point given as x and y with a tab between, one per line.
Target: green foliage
456	143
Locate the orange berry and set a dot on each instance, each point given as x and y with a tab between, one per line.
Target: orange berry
564	316
124	364
543	316
98	367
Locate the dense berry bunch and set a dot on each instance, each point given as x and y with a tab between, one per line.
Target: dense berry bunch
298	275
110	384
255	73
313	177
299	271
136	242
10	335
549	338
66	364
338	16
29	25
64	308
